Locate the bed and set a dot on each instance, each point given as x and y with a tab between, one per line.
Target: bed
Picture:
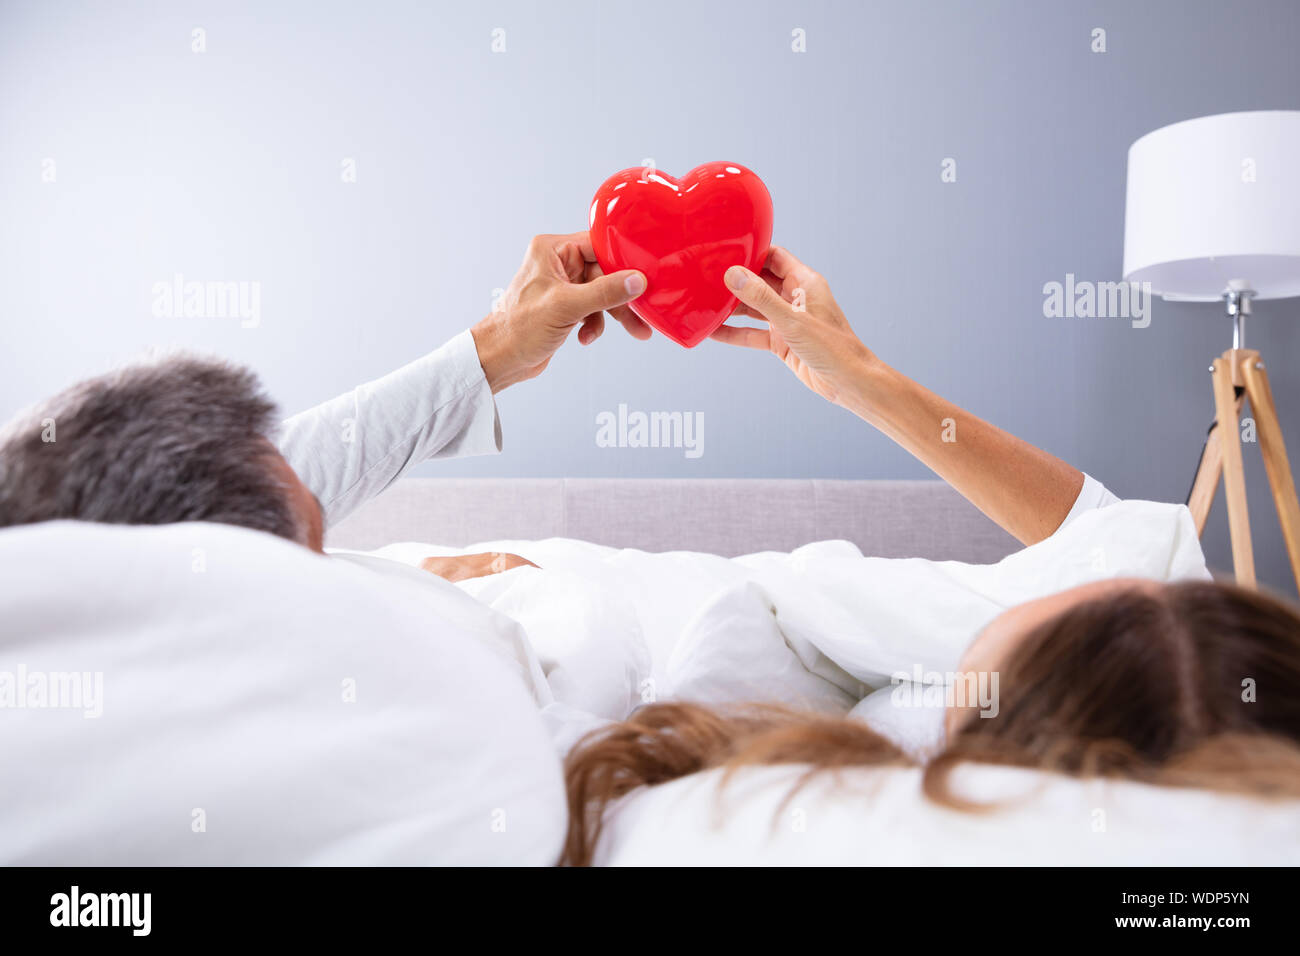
261	704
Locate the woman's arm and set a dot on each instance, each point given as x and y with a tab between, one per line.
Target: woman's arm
1021	487
1024	489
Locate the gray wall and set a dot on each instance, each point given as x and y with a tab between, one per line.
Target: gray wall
226	165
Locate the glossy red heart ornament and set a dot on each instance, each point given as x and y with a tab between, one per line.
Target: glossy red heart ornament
683	234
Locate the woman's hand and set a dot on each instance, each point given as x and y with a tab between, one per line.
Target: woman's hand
805	327
462	567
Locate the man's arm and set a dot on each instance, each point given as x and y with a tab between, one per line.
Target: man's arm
352	447
440	406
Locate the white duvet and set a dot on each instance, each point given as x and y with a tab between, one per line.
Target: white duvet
255	703
821	627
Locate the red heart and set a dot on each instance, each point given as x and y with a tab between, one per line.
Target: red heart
683	234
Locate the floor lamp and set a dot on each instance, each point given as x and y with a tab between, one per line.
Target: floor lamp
1213	214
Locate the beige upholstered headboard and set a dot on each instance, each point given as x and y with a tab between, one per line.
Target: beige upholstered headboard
924	519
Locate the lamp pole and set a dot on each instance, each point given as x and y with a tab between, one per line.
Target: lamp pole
1238	303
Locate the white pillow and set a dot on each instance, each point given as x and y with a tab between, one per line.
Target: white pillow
880	817
225	735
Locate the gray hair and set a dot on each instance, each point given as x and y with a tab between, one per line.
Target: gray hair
175	437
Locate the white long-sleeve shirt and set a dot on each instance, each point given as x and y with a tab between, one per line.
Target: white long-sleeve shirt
353	447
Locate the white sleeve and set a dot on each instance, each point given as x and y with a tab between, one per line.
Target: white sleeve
352	447
1092	495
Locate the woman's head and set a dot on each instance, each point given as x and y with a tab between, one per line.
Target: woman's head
1194	684
1126	676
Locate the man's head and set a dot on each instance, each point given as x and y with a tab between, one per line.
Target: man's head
169	439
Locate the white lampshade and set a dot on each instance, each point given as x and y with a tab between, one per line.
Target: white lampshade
1214	203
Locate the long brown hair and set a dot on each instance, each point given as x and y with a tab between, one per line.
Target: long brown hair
1192	684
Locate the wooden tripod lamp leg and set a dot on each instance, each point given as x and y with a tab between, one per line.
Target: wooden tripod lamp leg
1206	483
1273	450
1234	475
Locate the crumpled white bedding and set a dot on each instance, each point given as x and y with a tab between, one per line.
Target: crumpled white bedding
228	658
821	627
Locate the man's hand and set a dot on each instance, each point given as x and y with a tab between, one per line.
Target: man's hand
559	286
461	567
